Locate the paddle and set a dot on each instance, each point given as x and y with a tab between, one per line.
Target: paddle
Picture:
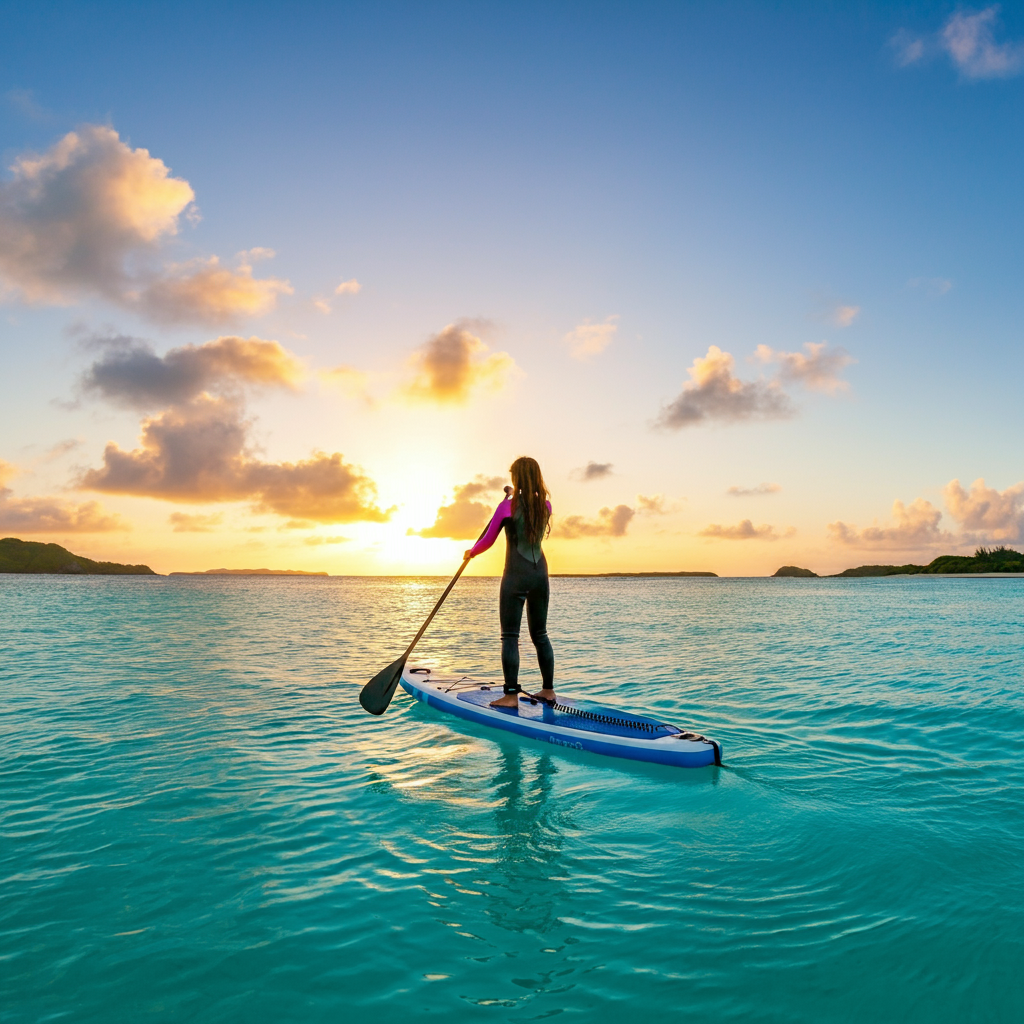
376	695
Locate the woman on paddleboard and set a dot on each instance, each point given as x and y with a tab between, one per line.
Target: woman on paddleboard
525	515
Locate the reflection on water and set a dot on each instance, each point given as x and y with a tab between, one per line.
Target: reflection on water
197	821
530	832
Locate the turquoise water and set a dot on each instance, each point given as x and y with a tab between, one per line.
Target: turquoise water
199	823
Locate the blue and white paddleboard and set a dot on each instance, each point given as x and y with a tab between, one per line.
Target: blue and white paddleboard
571	724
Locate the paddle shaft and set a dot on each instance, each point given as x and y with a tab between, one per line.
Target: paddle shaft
440	601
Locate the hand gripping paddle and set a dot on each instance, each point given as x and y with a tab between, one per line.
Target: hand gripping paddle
376	695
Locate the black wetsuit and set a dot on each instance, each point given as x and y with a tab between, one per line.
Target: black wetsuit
524	581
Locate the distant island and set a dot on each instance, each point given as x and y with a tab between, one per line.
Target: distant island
1001	559
984	560
630	575
34	557
249	572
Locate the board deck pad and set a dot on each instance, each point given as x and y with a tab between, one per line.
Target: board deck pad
579	715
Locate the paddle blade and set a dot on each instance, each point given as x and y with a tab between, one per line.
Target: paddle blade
377	693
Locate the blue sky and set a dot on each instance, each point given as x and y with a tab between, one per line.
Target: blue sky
690	175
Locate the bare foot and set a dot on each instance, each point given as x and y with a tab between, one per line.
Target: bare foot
546	695
510	700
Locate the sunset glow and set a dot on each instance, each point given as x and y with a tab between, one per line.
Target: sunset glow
307	321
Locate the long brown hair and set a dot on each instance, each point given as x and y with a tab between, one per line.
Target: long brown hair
530	494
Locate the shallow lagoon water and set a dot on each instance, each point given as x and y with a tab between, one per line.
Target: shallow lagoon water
199	823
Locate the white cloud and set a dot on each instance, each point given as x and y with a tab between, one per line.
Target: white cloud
816	368
843	316
985	514
714	393
89	216
969	39
932	285
589	339
25	103
909	49
352	287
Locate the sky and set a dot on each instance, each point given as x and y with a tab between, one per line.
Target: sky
291	285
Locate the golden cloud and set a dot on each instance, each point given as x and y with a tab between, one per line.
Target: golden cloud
744	530
71	216
753	492
816	368
182	522
130	373
323	488
454	363
986	514
198	452
206	292
651	505
610	522
714	393
51	515
349	381
464	518
915	526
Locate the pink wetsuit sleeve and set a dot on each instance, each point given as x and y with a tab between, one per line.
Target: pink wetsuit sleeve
501	513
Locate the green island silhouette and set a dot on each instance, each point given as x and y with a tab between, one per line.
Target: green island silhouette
984	560
33	556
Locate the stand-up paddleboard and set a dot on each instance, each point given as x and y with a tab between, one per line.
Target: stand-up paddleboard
571	724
